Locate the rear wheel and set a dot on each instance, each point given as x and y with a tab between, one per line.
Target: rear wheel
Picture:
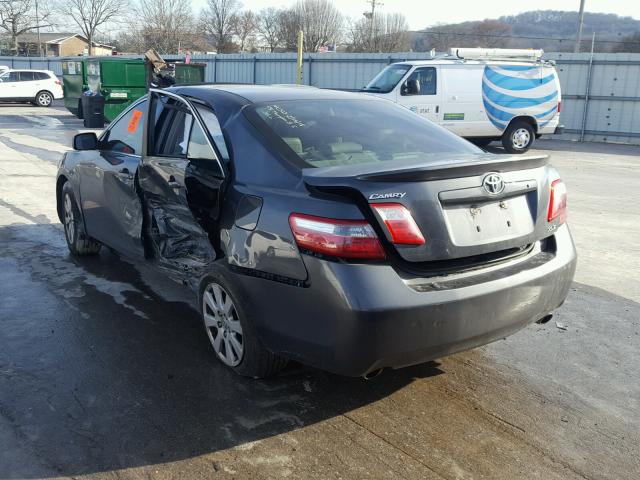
227	321
518	137
44	99
77	241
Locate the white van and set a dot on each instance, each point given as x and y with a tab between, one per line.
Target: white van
481	94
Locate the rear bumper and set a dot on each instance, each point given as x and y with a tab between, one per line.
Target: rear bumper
354	319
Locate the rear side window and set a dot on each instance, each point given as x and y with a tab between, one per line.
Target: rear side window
321	133
213	125
125	135
26	76
42	75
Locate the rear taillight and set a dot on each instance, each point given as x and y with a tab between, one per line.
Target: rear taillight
338	238
58	82
400	223
559	106
557	202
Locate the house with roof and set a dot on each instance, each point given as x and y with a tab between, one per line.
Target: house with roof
59	44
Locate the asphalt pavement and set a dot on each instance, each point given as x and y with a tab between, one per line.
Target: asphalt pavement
105	371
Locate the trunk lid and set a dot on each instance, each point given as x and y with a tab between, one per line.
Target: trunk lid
465	206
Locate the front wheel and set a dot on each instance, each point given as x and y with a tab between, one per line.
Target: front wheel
44	99
227	321
518	137
78	242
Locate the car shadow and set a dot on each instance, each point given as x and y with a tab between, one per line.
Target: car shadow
104	365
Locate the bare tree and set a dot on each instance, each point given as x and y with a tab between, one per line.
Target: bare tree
167	25
382	33
269	27
89	15
245	27
321	22
19	16
289	24
218	19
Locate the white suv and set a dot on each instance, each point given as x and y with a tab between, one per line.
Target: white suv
37	86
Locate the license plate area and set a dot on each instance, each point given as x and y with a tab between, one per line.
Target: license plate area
488	222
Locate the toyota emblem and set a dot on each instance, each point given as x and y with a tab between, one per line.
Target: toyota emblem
493	183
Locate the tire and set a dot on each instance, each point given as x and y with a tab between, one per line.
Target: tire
518	137
44	99
228	325
78	242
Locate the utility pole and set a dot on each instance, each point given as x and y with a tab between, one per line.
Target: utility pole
38	28
576	49
299	59
371	16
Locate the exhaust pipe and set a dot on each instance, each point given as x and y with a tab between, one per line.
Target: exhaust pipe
544	319
372	374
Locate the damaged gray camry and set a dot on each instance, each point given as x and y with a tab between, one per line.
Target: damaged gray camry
338	230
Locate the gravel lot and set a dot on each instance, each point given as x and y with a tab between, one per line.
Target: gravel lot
105	372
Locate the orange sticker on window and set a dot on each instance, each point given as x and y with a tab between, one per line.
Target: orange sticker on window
133	123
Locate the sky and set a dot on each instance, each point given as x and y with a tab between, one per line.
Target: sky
424	13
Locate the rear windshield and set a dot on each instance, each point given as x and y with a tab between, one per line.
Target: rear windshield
387	79
322	133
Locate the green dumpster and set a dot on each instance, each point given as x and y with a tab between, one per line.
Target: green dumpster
120	80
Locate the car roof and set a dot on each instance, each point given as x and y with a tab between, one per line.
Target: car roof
246	94
28	70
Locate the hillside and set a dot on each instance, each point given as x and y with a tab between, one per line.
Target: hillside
548	29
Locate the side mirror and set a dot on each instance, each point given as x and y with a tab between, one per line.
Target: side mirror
412	87
85	141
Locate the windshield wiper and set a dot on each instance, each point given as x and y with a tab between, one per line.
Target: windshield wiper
371	88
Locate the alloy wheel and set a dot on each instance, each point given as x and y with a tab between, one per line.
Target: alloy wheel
222	323
69	220
44	99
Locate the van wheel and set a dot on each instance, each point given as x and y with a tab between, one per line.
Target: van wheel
227	317
44	99
78	242
518	137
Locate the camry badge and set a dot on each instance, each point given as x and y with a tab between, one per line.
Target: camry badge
493	183
381	196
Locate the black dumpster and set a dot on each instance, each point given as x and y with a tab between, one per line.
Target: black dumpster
93	111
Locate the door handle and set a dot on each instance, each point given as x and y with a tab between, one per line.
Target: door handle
437	108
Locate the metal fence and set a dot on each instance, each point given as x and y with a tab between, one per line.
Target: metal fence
601	96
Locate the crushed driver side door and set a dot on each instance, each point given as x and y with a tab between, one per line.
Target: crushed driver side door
181	177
